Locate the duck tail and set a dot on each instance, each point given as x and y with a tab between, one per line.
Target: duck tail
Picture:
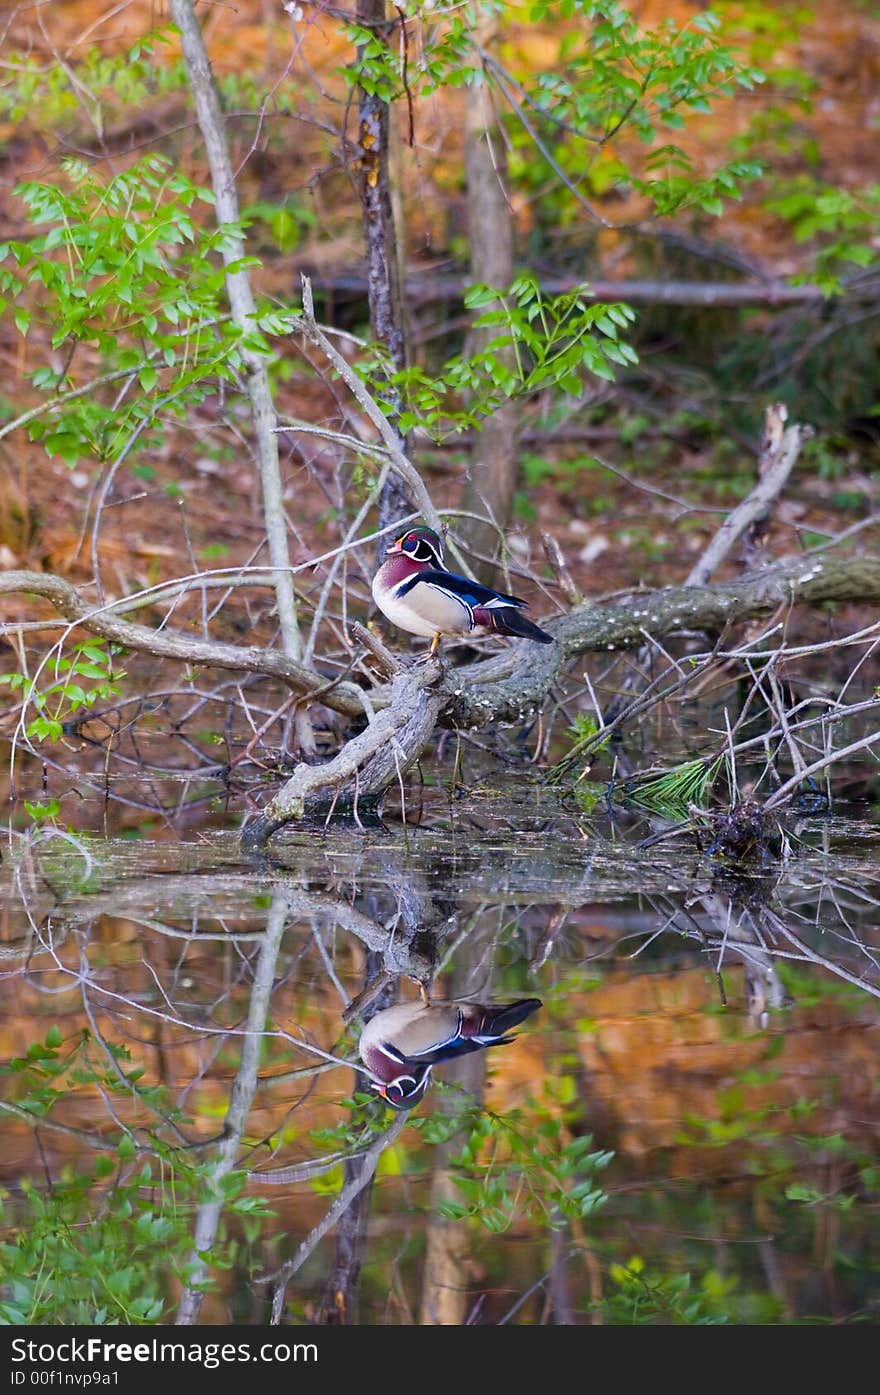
508	621
495	1020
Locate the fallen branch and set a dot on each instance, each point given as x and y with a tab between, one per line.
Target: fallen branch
509	687
521	679
171	644
780	449
431	288
513	686
356	778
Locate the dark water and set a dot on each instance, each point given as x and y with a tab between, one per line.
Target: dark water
686	1131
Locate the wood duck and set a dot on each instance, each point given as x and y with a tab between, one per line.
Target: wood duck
401	1045
417	593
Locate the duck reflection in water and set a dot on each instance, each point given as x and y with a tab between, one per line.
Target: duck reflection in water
401	1045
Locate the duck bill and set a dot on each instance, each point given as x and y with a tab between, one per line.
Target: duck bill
395	547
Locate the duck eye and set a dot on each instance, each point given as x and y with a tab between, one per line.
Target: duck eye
394	1092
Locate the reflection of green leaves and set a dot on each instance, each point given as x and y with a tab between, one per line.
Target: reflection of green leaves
521	1165
640	1296
64	699
99	1244
43	812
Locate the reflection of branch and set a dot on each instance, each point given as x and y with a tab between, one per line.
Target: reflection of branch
281	1278
810	956
763	985
401	948
39	1121
302	1172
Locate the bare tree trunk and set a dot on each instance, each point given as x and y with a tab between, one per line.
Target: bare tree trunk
380	238
244	311
492	477
243	307
447	1241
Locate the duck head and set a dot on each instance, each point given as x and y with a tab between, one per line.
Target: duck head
421	545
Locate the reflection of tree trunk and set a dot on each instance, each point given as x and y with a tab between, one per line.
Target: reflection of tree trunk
240	1100
380	238
742	931
339	1304
444	1286
492	477
412	948
444	1283
559	1288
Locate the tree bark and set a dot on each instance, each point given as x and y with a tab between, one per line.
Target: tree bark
380	239
493	466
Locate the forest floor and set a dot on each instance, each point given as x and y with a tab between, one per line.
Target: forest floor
191	501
